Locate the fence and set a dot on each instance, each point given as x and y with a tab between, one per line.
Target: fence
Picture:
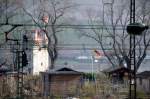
99	89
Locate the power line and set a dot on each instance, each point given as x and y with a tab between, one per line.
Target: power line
77	26
68	48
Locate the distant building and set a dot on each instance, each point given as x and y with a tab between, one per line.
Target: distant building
40	60
3	69
118	74
61	81
143	81
40	54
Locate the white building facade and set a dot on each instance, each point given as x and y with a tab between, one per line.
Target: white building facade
40	60
40	54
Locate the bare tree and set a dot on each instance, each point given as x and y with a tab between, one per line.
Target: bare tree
49	17
112	35
7	12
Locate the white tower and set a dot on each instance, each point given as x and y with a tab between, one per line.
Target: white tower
40	53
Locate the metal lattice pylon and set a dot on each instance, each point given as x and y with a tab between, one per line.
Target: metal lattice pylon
132	75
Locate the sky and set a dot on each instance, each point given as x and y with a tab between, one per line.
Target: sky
72	38
75	41
81	14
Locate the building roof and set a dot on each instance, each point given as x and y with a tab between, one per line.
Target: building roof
144	74
116	69
64	70
4	69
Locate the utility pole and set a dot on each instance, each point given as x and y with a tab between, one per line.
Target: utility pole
19	72
132	75
133	29
18	68
21	61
